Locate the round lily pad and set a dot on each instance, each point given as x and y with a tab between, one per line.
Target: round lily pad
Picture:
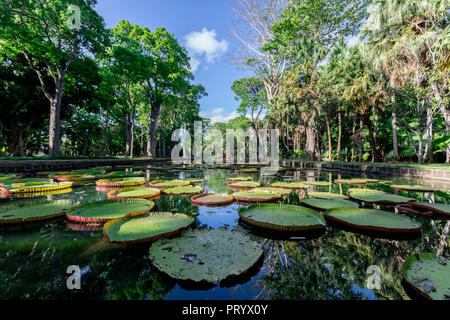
372	219
326	195
428	276
413	188
206	256
146	228
282	217
256	196
351	181
280	191
10	176
76	178
325	204
120	182
290	185
211	199
246	170
244	185
195	181
33	187
118	174
183	190
102	211
34	211
134	193
432	211
437	207
168	183
379	198
238	179
318	183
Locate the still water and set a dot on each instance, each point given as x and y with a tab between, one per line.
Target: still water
34	261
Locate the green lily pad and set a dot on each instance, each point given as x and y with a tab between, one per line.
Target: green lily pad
282	217
183	190
244	185
127	174
372	219
436	207
351	181
318	183
34	211
238	179
368	191
120	182
212	199
429	276
102	211
413	188
379	198
206	256
195	181
168	183
33	187
325	204
326	195
146	228
9	176
134	193
280	191
289	185
255	196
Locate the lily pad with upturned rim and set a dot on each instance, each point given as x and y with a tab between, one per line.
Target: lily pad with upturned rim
120	174
255	196
134	193
9	176
120	182
280	191
244	185
372	219
379	198
318	183
182	190
290	185
33	187
34	211
325	204
326	195
212	199
280	217
206	256
195	181
146	228
428	277
103	211
351	181
238	179
168	183
413	188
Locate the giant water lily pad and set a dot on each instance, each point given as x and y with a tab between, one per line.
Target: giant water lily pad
33	187
280	191
290	185
168	183
255	196
183	190
325	204
195	181
206	256
134	193
379	198
120	182
432	211
428	276
212	199
318	183
102	211
238	179
326	195
146	228
34	211
244	185
76	178
372	219
282	217
413	188
127	174
246	170
441	208
351	181
10	176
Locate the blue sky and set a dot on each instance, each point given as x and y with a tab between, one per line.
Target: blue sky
200	25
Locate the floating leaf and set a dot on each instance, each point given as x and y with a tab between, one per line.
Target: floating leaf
256	196
290	185
34	211
183	190
326	195
208	256
325	204
133	193
243	185
213	199
120	182
413	188
379	197
168	183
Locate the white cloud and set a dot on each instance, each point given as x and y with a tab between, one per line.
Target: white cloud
204	43
218	115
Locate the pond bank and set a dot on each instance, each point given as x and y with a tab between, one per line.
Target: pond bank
375	170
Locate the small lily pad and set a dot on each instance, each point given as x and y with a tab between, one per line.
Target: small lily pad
413	188
34	211
256	196
168	183
280	191
182	190
244	185
211	199
325	204
326	195
379	198
134	193
290	185
238	179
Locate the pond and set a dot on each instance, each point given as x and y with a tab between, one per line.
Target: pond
34	260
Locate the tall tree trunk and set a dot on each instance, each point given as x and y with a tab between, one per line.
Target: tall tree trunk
54	148
353	143
152	141
310	139
128	135
339	133
448	147
330	147
361	144
394	134
133	111
429	146
18	149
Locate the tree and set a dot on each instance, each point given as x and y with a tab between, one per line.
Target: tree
41	31
253	97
